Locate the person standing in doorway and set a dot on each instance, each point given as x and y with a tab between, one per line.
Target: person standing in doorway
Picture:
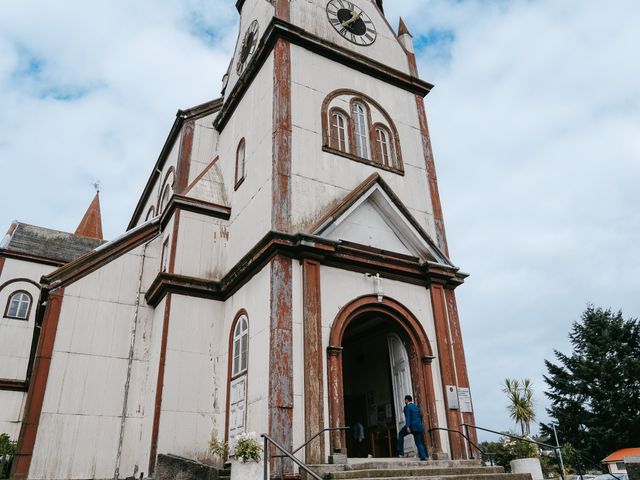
413	426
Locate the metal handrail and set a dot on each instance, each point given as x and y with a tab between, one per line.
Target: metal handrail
555	448
267	440
515	437
470	442
312	439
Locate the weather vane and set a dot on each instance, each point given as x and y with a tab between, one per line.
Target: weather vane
96	185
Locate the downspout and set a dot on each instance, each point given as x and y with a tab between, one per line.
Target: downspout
132	345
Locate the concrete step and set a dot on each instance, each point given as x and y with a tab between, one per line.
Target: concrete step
427	471
489	476
410	469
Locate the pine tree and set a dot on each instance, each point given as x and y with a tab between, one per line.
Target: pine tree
595	391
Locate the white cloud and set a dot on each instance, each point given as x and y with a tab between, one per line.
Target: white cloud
534	120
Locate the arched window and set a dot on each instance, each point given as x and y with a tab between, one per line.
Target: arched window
240	346
385	152
19	305
150	213
166	195
339	130
357	127
237	393
361	129
241	163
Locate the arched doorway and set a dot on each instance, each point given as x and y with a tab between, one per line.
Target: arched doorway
378	352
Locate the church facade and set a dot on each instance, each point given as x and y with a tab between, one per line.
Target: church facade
285	270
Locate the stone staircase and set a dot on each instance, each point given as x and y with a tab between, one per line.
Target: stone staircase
404	469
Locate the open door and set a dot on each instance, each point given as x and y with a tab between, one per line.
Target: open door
401	381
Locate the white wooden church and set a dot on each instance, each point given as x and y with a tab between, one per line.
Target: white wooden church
285	270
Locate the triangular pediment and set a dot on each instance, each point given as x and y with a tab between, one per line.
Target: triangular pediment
373	216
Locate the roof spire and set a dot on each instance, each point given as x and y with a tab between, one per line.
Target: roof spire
402	29
91	224
405	37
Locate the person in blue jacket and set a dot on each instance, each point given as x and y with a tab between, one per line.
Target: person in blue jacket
413	426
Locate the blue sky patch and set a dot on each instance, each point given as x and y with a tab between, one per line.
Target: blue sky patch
436	43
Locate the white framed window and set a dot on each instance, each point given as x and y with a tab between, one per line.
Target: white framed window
384	146
241	163
166	195
164	259
150	213
18	305
239	357
339	131
240	354
361	129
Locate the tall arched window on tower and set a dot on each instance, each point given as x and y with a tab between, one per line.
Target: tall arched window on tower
361	129
241	163
339	130
384	148
357	127
239	359
18	306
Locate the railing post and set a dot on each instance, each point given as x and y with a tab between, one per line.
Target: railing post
466	432
265	454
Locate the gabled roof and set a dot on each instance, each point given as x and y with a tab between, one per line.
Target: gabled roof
46	244
376	195
620	454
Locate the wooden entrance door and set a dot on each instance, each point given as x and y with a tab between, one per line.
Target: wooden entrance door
401	380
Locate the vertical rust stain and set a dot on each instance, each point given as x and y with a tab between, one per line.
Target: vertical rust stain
281	355
153	451
336	396
458	352
1	264
184	157
313	377
174	240
432	177
446	365
282	9
281	188
37	387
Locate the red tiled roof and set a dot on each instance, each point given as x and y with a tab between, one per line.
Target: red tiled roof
620	454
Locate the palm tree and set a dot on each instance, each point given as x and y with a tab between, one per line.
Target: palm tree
521	408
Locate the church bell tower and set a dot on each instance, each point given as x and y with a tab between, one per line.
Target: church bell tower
325	99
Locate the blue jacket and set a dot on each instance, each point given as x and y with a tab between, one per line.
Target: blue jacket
413	418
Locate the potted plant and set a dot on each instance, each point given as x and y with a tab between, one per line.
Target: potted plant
246	453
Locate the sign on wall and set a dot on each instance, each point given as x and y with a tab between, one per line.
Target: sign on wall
464	395
452	397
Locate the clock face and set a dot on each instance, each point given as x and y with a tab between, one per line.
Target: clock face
249	44
351	22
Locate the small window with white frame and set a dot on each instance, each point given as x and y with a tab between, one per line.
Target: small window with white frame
238	358
164	259
18	305
241	163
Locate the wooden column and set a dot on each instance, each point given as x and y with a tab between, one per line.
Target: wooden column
37	387
281	356
459	356
313	373
447	367
336	396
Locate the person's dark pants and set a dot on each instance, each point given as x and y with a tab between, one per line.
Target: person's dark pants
418	438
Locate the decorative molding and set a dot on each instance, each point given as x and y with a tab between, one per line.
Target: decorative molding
11	385
344	255
30	258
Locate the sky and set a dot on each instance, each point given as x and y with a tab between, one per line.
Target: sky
534	118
